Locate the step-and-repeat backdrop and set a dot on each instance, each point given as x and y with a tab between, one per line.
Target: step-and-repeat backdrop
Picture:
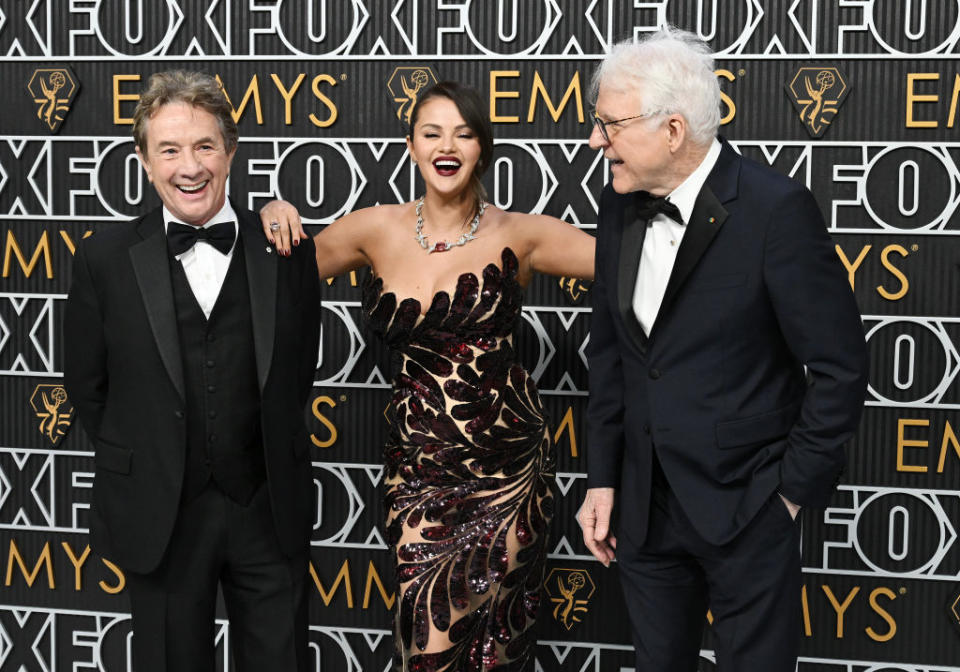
857	99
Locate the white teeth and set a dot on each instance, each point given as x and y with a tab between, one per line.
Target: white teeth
447	164
193	188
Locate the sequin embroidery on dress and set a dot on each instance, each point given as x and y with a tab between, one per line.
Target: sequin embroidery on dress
469	476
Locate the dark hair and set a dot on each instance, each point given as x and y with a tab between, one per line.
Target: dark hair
196	89
471	108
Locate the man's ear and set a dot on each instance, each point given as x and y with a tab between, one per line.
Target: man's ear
145	164
230	155
676	131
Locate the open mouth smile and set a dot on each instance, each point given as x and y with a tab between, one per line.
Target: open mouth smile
446	166
193	188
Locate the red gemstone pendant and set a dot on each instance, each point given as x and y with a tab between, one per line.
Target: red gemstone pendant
441	246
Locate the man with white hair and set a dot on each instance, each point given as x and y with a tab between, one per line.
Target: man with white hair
727	368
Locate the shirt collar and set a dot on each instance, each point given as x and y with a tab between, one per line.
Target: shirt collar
685	195
224	214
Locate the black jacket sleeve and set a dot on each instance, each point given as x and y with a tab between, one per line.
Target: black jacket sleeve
84	349
605	437
821	325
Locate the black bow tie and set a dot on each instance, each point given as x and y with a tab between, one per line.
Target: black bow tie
181	237
649	206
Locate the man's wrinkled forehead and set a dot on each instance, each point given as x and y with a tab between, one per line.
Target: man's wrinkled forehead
184	134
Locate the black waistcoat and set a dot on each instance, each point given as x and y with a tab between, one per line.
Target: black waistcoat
224	440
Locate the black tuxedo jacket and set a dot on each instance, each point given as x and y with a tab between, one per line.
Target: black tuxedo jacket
124	374
754	373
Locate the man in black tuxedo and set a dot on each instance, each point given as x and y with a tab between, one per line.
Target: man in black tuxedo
727	368
190	351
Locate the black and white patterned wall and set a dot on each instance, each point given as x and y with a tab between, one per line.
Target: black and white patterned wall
858	99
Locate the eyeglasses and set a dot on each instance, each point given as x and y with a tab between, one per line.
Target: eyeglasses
602	125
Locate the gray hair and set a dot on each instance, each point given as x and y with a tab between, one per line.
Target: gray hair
196	89
672	72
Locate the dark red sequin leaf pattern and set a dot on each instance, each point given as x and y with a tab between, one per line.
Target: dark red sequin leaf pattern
469	476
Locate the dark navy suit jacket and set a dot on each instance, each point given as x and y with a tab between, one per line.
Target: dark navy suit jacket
754	373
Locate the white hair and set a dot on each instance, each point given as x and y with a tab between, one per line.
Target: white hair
671	71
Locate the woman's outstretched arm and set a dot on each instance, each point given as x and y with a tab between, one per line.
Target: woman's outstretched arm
339	246
556	247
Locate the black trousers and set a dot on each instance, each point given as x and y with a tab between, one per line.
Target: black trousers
216	540
751	585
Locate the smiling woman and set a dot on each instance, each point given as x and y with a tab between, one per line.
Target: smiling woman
462	111
470	465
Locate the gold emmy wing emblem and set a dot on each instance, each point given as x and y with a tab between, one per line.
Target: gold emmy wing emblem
817	94
570	590
574	289
52	90
405	84
54	410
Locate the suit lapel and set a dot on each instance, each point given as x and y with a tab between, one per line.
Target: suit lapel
705	221
634	231
262	272
151	265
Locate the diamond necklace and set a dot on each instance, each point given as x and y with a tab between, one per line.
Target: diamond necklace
443	246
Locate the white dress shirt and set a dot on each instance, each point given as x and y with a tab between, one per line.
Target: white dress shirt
205	266
662	242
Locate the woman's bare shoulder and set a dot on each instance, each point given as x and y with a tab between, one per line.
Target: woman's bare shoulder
377	215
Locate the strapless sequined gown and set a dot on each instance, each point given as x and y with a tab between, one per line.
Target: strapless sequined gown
469	476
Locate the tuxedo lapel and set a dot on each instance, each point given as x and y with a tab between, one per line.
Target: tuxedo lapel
705	221
262	270
151	265
631	244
